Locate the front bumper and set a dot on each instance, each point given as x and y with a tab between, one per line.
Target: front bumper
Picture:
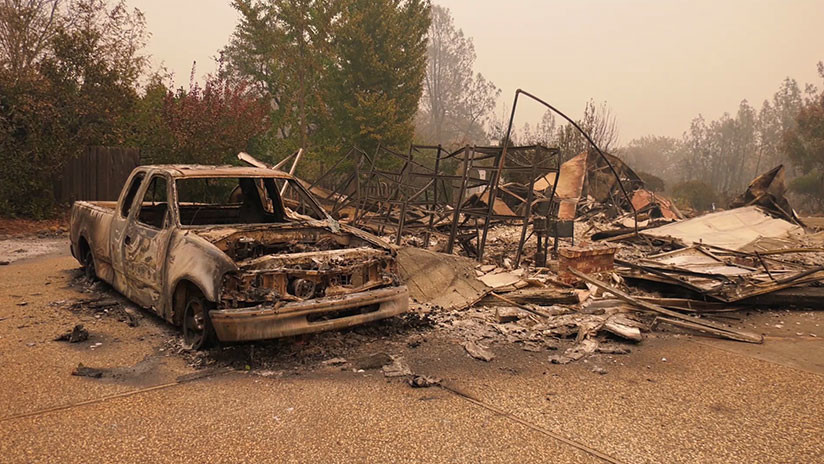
311	316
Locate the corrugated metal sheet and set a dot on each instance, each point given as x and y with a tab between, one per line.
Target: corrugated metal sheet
732	229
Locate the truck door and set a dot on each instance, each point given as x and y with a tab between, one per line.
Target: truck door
122	216
146	241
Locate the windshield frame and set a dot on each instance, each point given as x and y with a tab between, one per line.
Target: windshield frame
291	216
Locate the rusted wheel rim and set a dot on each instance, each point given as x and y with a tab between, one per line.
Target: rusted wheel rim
194	324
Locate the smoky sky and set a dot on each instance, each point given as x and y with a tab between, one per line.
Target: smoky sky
657	63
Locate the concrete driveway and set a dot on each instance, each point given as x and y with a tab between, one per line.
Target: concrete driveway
675	398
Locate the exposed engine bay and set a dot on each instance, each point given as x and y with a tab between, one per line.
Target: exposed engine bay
300	263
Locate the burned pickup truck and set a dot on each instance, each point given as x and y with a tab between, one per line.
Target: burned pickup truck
234	254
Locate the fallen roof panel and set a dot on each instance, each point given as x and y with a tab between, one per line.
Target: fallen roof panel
732	229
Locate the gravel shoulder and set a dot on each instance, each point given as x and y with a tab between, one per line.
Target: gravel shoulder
326	398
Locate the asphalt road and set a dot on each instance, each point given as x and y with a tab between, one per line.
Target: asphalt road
675	398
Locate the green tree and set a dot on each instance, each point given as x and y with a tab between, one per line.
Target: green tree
73	87
456	101
381	55
26	31
695	194
652	182
655	155
284	48
804	145
774	119
737	144
33	145
337	72
148	127
721	152
94	65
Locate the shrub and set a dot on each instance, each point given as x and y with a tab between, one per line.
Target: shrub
652	182
695	194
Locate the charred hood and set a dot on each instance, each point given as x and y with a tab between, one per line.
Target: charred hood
299	261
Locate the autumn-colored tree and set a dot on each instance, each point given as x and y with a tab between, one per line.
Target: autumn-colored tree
68	72
210	124
337	73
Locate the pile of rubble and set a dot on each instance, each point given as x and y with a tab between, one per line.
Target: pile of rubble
625	260
605	295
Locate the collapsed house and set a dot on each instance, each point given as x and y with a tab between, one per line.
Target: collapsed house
624	259
437	198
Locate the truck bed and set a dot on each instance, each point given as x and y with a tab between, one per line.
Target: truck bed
92	219
107	205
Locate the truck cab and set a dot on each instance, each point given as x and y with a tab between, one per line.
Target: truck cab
235	253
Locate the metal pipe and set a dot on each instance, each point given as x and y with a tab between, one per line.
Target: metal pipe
493	183
527	214
456	214
434	198
586	136
404	179
291	170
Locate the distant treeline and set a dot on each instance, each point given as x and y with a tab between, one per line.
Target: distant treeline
324	75
722	156
715	160
317	74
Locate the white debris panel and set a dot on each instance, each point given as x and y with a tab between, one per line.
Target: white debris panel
732	229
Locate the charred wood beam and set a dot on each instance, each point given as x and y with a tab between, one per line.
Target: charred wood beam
692	322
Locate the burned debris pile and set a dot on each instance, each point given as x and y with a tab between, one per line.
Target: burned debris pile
437	199
624	259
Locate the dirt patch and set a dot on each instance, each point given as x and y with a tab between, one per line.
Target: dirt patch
17	249
145	372
10	228
346	349
102	301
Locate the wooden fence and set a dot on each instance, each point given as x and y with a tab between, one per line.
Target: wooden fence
98	174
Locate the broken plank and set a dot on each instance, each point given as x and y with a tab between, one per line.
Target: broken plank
623	331
707	326
519	306
536	296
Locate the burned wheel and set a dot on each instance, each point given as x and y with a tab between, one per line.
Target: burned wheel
197	329
88	265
